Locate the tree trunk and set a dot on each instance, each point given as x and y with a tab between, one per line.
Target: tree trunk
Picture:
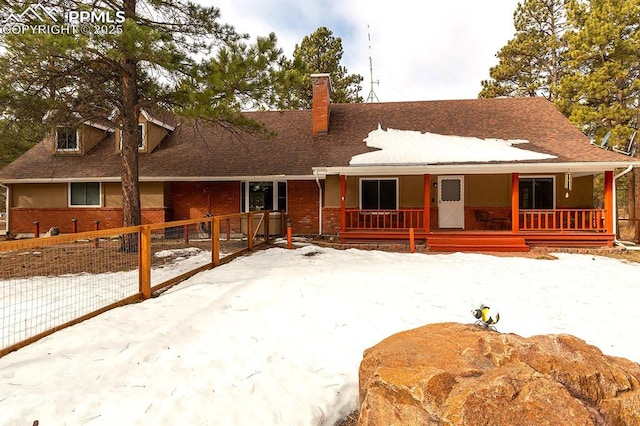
633	203
634	194
131	214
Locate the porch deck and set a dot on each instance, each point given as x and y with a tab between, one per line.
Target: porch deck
557	228
488	241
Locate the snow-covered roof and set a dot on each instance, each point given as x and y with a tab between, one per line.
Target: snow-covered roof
409	147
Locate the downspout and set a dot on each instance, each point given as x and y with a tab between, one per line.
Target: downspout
315	172
7	204
615	203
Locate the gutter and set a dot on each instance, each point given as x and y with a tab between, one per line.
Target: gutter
319	202
116	179
473	168
7	204
615	204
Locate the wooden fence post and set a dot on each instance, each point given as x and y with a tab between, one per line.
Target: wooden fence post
215	241
74	225
96	227
412	240
250	231
36	229
266	226
144	277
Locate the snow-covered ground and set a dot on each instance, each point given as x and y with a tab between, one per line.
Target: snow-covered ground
276	338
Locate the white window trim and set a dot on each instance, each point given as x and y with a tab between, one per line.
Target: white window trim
245	208
80	206
397	180
553	180
76	149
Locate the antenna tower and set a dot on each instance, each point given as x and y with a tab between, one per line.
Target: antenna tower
372	95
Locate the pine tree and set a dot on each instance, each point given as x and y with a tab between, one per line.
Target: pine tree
530	64
601	89
319	52
147	59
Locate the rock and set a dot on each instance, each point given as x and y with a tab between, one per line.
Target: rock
455	374
52	232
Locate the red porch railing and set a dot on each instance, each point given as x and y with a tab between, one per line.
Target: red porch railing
402	219
563	220
558	220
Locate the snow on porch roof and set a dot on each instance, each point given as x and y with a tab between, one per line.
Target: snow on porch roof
410	147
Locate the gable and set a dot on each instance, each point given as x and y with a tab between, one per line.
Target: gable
77	140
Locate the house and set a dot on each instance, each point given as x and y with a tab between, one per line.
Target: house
492	173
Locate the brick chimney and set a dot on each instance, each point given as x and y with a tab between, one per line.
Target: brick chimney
320	104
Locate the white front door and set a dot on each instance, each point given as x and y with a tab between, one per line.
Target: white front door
451	202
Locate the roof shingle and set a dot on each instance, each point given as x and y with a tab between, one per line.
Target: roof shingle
211	151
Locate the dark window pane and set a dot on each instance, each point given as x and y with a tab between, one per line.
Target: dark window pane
85	194
243	197
525	193
260	196
66	138
387	195
379	194
450	190
93	193
282	196
369	194
536	193
141	133
544	193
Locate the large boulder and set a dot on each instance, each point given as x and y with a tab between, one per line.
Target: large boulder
455	374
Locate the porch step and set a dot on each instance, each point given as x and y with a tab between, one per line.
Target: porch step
476	243
577	241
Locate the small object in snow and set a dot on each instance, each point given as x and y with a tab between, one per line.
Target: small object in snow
52	232
484	317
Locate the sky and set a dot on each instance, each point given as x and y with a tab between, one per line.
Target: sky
276	337
429	50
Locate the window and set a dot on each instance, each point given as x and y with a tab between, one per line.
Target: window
379	194
451	189
282	196
84	194
66	139
256	196
537	193
143	137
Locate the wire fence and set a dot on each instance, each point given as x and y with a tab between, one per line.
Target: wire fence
50	283
629	230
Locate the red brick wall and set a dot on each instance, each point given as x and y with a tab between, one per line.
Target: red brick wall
190	200
330	221
302	206
320	105
21	219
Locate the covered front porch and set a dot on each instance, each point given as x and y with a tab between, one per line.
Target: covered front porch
536	210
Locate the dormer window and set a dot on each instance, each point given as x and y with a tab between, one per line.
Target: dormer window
143	137
67	139
141	142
